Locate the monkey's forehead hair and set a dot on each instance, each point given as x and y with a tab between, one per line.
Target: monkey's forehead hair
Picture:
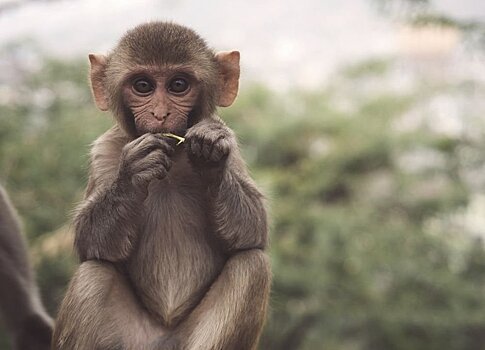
162	43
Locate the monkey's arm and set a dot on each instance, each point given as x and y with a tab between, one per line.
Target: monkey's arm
237	209
232	313
107	222
21	308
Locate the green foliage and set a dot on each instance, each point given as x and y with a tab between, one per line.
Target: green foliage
53	274
4	341
365	250
355	263
45	134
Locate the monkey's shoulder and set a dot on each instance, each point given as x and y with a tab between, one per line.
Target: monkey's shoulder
109	143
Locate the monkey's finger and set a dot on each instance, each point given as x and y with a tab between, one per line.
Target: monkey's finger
215	146
142	144
160	159
154	141
167	143
207	146
138	140
145	177
162	142
220	150
218	131
139	147
195	147
156	169
155	159
151	174
149	144
130	146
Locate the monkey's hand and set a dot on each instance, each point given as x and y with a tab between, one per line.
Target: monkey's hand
106	223
145	159
209	144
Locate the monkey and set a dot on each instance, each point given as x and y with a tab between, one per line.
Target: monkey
21	309
172	238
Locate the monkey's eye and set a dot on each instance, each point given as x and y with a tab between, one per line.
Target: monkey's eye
178	85
143	86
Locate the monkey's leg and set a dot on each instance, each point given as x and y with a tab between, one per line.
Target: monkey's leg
100	312
231	314
20	306
27	323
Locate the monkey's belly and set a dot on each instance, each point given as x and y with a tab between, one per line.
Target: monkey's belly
175	262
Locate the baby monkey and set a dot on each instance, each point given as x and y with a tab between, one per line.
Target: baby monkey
171	237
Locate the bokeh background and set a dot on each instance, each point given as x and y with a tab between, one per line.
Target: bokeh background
363	120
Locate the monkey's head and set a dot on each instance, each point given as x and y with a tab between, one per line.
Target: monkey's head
162	77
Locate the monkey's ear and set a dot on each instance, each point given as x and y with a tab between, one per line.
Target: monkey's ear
98	67
229	75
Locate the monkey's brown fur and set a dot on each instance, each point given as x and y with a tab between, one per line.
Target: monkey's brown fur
21	309
171	238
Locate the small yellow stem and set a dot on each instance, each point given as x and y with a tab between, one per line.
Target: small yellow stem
179	138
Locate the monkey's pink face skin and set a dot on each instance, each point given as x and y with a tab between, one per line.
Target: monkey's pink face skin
161	99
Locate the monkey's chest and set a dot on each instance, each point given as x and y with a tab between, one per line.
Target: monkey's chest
176	259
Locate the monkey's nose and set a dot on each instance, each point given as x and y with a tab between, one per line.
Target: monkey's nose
160	117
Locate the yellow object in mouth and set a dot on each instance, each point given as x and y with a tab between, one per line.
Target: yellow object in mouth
179	138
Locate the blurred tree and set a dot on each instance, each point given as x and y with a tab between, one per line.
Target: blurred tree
47	123
424	13
355	195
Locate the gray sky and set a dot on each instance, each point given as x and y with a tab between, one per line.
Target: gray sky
281	42
462	9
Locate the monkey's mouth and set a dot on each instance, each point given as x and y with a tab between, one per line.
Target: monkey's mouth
155	126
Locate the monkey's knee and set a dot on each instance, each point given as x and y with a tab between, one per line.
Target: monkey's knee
101	312
81	321
251	274
255	265
91	279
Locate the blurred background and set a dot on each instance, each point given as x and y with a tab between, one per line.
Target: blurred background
362	120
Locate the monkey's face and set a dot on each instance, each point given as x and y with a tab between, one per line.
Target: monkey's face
160	98
158	75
